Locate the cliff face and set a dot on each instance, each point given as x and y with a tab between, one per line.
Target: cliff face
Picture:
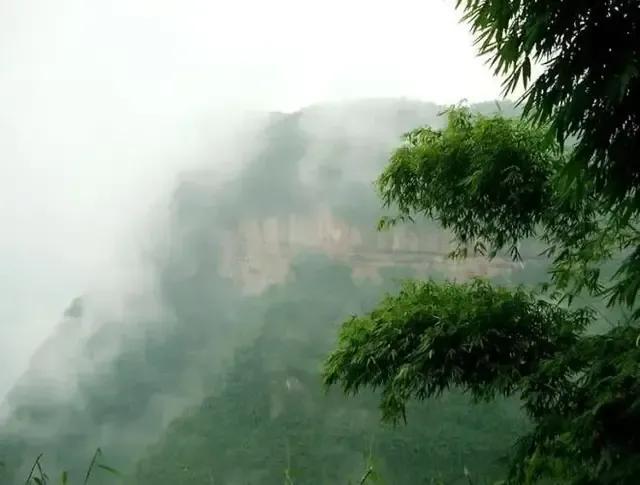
310	190
258	253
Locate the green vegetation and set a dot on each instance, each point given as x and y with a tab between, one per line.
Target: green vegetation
588	88
271	415
495	182
532	376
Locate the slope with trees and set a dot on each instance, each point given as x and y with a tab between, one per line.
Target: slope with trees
131	372
270	421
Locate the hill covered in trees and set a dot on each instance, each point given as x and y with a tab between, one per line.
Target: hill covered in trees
210	372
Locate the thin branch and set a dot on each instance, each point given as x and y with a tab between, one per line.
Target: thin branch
366	475
33	468
91	465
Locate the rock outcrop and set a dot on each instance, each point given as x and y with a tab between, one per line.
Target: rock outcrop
259	253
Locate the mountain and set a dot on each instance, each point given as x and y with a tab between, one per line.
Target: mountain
210	374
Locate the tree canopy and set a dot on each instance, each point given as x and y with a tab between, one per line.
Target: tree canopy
564	174
590	84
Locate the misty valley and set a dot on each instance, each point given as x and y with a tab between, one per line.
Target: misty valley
211	374
240	247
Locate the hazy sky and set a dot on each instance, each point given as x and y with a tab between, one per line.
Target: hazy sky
102	101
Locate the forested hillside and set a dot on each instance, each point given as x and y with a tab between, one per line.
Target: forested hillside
210	377
272	419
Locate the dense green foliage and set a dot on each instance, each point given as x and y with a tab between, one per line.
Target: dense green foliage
436	336
580	391
589	92
589	87
450	175
484	340
494	183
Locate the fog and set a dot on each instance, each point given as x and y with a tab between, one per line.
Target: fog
103	104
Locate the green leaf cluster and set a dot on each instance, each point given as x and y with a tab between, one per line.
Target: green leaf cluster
486	178
589	87
435	336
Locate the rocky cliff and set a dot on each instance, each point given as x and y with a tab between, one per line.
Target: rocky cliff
258	253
